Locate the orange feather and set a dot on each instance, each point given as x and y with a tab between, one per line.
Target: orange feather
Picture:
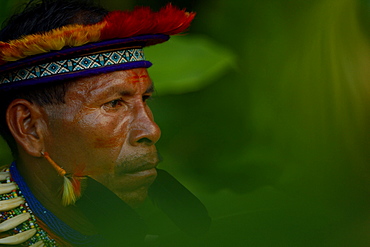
56	39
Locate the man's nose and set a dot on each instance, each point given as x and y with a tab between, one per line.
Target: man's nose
143	129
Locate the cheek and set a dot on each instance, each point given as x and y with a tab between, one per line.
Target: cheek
105	132
108	142
104	138
91	142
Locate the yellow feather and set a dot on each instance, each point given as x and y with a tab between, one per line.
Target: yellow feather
68	197
56	39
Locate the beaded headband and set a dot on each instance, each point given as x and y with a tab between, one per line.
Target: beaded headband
75	51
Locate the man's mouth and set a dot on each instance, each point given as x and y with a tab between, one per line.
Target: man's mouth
143	165
131	180
141	168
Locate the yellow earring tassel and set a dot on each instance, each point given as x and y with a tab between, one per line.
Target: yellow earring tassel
69	196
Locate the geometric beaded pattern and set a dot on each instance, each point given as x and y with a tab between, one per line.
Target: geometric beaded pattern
73	65
31	223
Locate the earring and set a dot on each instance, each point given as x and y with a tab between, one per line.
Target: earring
71	189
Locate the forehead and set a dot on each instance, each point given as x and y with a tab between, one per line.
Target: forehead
130	81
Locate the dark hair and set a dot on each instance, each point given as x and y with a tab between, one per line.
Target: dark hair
43	16
38	17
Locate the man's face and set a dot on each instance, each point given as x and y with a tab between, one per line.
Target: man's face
106	130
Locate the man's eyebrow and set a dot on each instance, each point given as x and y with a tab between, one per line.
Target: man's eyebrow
150	89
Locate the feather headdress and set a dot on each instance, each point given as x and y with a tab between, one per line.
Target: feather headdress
119	30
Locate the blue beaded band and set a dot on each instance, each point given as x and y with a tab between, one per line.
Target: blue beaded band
74	65
29	224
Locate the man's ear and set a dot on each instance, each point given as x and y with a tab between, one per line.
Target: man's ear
26	123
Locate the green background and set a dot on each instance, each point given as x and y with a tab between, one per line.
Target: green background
264	110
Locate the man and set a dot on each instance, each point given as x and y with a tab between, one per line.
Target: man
74	86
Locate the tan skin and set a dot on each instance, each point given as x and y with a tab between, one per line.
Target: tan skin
104	130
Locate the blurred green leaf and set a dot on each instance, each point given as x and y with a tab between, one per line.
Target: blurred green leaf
8	7
186	64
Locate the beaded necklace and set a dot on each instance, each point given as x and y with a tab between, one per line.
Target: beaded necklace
54	223
16	217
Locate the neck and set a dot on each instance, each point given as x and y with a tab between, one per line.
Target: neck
45	184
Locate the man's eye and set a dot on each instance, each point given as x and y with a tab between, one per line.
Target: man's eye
114	103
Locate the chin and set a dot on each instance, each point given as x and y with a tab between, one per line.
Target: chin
132	188
134	198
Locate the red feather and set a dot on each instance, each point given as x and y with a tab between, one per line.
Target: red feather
4	45
169	20
76	183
